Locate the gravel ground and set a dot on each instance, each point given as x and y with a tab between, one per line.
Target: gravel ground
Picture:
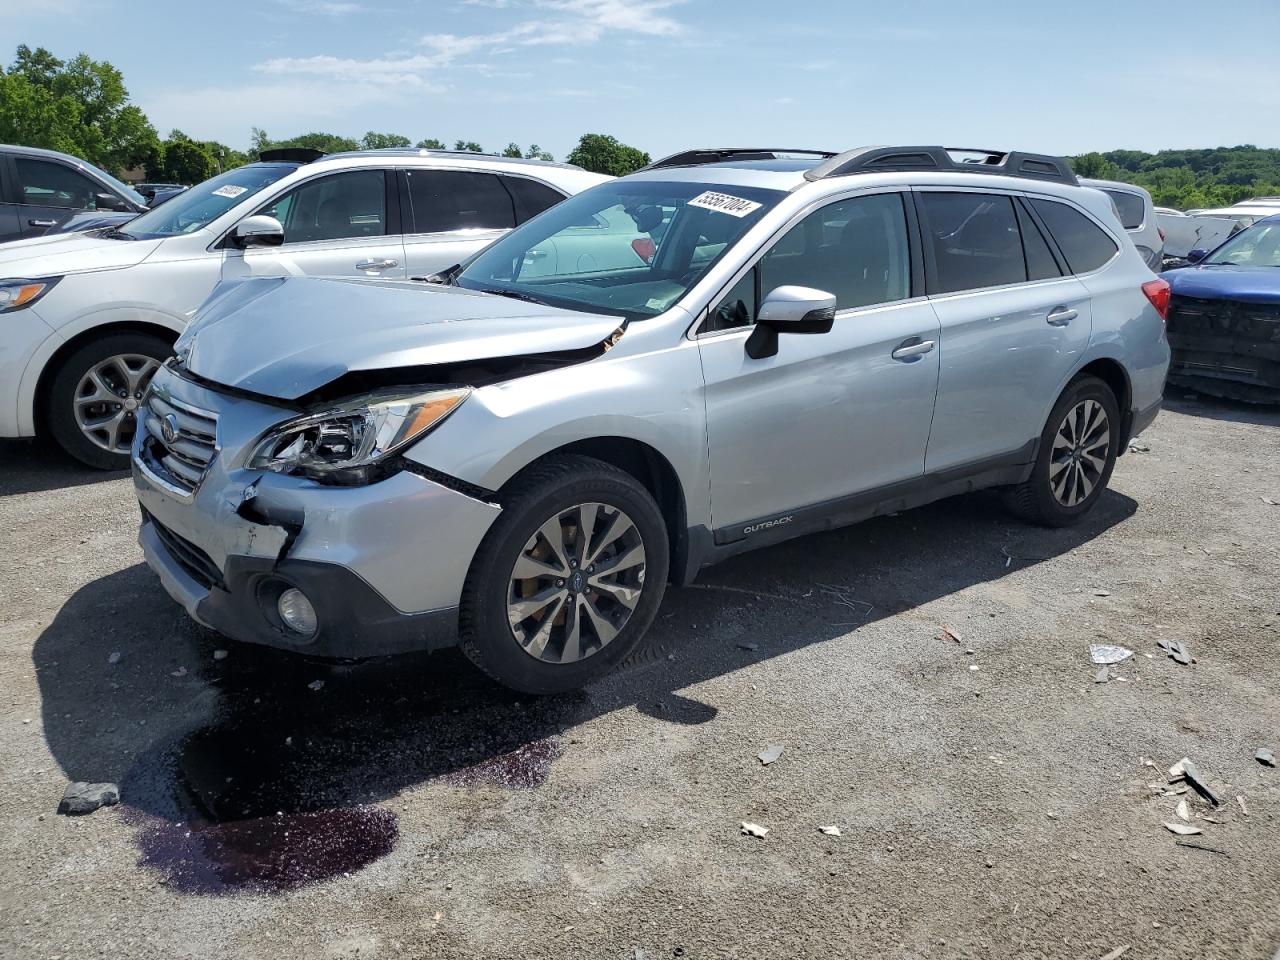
992	803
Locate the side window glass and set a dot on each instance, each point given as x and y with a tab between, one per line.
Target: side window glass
530	197
1040	262
1129	207
445	200
975	240
856	249
1085	245
45	184
342	206
738	308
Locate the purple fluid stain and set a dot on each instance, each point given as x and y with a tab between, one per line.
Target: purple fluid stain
267	854
524	768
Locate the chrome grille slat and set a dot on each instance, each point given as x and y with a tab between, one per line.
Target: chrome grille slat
183	461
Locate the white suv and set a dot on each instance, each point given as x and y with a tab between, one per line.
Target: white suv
88	318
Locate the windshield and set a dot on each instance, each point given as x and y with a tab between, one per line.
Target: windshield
195	208
627	248
1259	246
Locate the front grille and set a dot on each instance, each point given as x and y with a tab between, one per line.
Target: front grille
1226	340
183	460
198	564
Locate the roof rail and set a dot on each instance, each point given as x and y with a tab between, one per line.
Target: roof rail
291	155
1034	166
705	155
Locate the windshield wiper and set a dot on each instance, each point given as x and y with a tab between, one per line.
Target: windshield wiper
445	278
514	295
115	233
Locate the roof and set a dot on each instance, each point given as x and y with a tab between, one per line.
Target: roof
405	152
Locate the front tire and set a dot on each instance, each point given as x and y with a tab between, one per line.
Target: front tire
569	578
94	398
1078	450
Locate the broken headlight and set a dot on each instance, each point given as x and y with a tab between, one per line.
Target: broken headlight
352	443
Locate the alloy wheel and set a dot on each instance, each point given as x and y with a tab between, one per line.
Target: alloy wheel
576	583
1079	456
107	399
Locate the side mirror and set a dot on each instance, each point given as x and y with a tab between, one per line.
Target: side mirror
790	310
1195	256
109	201
258	231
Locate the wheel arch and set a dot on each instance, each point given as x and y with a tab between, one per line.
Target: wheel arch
36	404
652	470
1113	373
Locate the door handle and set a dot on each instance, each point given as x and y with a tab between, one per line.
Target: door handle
912	349
41	223
377	264
1060	316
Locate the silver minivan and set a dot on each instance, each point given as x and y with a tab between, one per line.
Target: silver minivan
519	455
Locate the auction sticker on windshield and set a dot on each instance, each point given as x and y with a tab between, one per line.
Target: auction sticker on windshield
230	191
724	203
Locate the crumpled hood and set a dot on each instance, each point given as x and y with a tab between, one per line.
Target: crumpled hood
285	337
57	254
1248	284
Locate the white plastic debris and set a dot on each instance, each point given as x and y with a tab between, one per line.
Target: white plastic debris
770	753
1103	675
219	654
1117	953
316	685
180	672
832	831
1102	593
1182	830
1183	810
1108	653
114	657
755	830
1264	757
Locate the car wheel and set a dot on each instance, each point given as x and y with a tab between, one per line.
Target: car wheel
94	397
1077	453
568	579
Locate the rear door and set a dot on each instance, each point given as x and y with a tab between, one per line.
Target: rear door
1014	323
343	224
833	414
452	214
10	228
49	192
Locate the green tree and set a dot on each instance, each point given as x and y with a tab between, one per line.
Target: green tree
469	145
535	152
432	144
79	106
513	150
324	142
383	141
601	153
186	161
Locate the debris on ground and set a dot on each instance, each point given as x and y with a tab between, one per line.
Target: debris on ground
1264	757
1200	846
1102	593
1183	810
219	654
949	634
770	753
1269	502
1184	769
1244	807
1117	953
180	672
1108	653
1103	675
114	657
316	685
1176	651
81	797
1138	445
832	831
753	830
748	646
1182	830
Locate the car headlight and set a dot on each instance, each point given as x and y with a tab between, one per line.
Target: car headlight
17	294
352	443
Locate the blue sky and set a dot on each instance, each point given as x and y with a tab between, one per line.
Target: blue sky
664	75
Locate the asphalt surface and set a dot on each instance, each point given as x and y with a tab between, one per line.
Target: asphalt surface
991	804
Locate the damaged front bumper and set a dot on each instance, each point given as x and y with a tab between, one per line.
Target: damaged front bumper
383	564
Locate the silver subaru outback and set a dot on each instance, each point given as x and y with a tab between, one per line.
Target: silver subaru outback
724	350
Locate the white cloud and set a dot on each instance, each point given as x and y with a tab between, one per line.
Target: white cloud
324	8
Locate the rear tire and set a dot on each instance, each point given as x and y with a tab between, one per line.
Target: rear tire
92	401
1077	453
545	610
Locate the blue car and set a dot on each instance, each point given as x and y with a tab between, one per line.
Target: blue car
1224	317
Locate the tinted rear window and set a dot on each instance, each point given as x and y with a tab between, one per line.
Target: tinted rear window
1130	207
445	200
975	240
1040	262
1081	241
531	197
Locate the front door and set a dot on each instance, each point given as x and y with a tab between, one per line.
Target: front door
340	225
49	193
830	415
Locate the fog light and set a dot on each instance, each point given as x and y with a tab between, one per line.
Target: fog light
296	611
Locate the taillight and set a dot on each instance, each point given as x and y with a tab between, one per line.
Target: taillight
645	248
1158	292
